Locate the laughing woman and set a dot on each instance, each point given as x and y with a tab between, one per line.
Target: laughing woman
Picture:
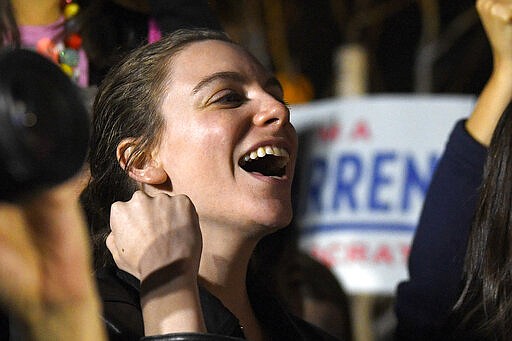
192	159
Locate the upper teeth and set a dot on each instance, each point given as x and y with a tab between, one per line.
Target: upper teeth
266	150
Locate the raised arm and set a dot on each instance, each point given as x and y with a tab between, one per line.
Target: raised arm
157	240
437	255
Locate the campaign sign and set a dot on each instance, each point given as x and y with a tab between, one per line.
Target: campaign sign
365	165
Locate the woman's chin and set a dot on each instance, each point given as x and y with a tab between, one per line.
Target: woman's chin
277	221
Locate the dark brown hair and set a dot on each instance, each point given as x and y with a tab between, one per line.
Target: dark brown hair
128	105
485	305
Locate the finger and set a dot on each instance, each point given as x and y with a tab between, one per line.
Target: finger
499	9
139	196
111	243
118	215
502	11
112	247
114	250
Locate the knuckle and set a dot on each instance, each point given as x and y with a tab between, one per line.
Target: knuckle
161	197
138	195
182	197
183	201
115	205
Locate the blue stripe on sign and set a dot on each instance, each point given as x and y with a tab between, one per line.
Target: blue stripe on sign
368	226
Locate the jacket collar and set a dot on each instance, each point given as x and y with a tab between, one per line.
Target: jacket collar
118	285
218	319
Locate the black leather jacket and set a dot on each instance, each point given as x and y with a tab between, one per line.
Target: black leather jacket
123	316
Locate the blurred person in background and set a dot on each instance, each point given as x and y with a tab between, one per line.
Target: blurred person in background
46	285
437	275
86	37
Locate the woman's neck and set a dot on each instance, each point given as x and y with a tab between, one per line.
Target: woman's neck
223	270
36	12
224	261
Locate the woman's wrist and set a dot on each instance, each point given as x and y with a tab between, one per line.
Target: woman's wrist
172	305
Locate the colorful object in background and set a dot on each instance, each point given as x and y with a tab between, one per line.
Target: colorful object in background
66	52
297	87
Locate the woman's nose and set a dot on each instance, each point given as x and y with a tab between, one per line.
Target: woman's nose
272	112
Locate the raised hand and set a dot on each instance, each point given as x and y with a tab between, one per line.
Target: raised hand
157	239
149	233
496	17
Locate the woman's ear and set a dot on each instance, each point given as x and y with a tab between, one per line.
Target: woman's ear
142	167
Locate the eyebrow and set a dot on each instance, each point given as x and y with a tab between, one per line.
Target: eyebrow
233	76
225	75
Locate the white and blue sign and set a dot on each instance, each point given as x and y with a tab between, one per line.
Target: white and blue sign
365	167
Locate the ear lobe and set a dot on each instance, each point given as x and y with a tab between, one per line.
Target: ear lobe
150	173
143	168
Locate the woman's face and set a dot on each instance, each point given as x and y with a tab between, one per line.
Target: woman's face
224	118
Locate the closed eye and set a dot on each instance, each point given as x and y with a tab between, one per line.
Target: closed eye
231	99
277	92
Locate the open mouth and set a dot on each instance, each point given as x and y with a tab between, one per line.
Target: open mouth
267	160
